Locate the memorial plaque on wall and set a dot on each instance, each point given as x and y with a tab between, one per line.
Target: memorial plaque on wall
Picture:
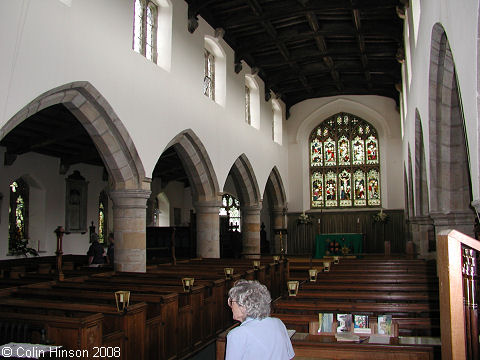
76	203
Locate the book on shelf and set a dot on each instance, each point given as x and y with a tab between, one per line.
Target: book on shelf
384	325
344	323
325	323
347	337
360	324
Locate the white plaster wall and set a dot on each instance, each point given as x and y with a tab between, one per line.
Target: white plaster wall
47	44
47	202
381	112
460	21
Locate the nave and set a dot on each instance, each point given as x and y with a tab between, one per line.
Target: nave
165	320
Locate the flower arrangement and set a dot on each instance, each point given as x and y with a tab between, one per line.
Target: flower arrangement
19	245
380	217
304	219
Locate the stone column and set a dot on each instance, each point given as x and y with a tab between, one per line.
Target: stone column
279	223
251	230
208	228
463	221
129	224
421	227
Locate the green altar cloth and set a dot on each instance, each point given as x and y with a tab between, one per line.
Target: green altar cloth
352	241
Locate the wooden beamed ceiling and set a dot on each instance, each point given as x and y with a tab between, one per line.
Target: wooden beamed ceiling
304	49
55	132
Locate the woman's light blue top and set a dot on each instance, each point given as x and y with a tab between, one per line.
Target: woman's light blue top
259	339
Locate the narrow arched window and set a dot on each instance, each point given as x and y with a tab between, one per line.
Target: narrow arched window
344	163
18	214
102	217
231	209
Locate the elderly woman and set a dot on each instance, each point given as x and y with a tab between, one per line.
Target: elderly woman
259	336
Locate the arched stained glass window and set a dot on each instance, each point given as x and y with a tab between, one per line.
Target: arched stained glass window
344	163
18	213
231	209
102	217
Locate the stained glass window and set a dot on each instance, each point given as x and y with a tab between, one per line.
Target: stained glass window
231	209
18	213
102	217
145	29
209	75
344	163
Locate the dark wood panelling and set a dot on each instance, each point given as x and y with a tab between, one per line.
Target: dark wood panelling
348	222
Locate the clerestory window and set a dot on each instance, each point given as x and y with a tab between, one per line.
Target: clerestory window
145	29
209	75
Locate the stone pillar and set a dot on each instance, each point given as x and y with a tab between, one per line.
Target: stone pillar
279	223
208	228
251	230
463	221
420	228
129	224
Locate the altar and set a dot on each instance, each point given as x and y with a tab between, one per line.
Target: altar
338	244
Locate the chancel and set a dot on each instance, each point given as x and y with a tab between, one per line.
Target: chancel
247	139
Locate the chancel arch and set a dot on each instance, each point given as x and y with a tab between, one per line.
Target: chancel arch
450	189
128	187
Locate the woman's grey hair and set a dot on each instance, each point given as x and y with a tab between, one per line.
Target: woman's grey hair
253	297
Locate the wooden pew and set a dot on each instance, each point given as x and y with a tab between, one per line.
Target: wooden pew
407	326
160	321
197	309
308	346
78	331
377	308
125	331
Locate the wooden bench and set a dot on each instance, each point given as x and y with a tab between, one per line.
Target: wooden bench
159	322
308	346
407	326
78	331
372	308
125	330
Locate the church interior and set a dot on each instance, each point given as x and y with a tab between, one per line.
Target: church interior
153	152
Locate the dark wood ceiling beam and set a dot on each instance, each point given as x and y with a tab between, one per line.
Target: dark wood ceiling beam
41	141
328	8
361	44
87	156
372	33
270	29
322	47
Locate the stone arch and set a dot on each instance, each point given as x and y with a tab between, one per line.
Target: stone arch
248	192
129	189
245	181
275	190
197	165
205	190
450	189
421	184
411	199
102	124
275	193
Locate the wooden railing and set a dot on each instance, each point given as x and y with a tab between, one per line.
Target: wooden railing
457	256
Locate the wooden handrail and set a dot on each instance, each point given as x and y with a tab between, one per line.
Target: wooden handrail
452	312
